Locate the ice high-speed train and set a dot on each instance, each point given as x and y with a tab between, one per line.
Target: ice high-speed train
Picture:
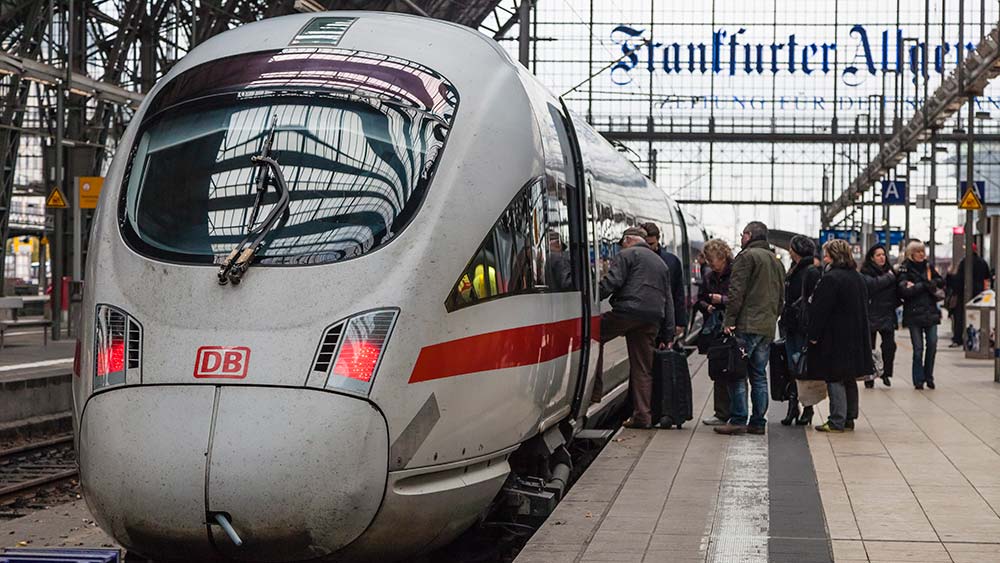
340	288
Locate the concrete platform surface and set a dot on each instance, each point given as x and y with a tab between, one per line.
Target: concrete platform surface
24	355
917	481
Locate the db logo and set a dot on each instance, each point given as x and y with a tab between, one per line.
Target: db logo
227	362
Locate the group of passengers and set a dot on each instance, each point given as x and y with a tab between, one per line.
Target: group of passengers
829	311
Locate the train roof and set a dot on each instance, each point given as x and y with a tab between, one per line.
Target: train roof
464	56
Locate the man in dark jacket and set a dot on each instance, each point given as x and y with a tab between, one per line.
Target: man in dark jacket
755	299
677	284
638	283
980	282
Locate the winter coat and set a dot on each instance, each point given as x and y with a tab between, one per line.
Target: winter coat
756	290
882	298
839	341
799	282
676	286
919	301
713	282
638	283
980	275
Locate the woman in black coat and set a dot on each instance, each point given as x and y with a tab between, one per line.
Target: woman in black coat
799	283
921	287
839	346
880	281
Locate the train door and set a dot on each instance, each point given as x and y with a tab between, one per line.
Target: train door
587	254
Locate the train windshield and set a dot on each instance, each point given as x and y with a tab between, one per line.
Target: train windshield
357	160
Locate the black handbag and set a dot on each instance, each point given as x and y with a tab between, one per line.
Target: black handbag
727	359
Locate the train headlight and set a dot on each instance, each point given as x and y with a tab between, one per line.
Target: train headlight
352	350
117	346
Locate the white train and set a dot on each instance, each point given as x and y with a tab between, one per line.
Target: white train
340	288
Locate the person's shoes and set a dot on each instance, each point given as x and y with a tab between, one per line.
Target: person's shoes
633	424
731	429
930	384
713	421
954	344
757	430
827	428
849	425
870	384
887	381
919	387
806	418
793	413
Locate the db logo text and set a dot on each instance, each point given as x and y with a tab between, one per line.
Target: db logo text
224	362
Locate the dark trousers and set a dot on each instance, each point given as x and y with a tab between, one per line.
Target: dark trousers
843	402
720	392
640	337
923	362
957	321
888	349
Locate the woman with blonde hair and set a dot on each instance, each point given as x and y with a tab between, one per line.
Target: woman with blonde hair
712	294
839	345
921	287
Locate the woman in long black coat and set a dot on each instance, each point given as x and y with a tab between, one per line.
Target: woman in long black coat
921	287
882	301
799	283
839	345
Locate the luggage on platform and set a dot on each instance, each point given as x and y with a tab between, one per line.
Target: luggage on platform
781	379
672	402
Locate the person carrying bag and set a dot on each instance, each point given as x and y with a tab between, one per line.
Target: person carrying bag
712	302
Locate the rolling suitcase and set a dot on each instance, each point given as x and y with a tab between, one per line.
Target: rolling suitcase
672	402
781	378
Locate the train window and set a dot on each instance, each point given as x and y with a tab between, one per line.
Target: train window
523	253
357	155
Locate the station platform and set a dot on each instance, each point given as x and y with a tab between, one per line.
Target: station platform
35	384
917	481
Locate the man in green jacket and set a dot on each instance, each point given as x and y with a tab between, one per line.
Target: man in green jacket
756	289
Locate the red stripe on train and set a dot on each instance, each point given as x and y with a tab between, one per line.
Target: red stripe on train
514	347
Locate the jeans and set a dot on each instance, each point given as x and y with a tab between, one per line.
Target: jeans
758	352
923	358
843	402
888	349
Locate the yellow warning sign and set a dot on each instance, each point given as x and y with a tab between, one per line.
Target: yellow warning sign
56	199
89	189
970	201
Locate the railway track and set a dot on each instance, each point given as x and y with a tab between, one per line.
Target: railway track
35	466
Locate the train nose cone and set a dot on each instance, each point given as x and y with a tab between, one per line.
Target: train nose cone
301	473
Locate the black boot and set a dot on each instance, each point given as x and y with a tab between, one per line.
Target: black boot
870	384
806	418
793	413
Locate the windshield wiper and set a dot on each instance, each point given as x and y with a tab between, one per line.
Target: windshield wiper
241	257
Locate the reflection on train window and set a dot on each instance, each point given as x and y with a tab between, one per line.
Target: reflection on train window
357	166
525	251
